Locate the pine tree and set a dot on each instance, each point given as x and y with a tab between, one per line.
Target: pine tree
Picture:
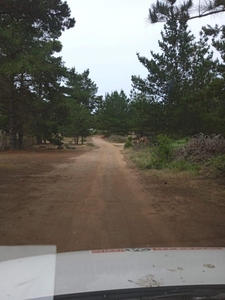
28	34
113	114
177	74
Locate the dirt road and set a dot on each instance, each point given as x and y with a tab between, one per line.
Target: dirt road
94	201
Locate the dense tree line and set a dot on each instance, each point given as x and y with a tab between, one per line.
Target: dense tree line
39	96
184	91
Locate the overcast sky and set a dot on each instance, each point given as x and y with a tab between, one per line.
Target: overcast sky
107	36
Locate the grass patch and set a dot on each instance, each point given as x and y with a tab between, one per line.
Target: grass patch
117	139
142	158
163	156
147	159
183	165
176	144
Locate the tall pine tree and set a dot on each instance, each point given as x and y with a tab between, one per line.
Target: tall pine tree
182	69
27	30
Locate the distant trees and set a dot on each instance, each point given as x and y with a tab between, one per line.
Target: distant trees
183	93
113	113
81	88
81	101
146	117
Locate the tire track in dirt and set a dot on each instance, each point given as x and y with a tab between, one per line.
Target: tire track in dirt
94	201
91	202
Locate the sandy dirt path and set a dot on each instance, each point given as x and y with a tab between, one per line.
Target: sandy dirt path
92	201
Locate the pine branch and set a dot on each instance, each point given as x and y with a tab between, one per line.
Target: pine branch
207	14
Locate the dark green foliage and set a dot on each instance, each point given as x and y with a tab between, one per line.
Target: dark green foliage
174	98
216	91
56	139
146	117
82	89
81	100
30	75
50	17
128	143
79	122
164	148
113	113
161	154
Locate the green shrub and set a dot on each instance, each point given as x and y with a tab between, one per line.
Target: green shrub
128	144
179	143
161	154
218	163
155	157
164	150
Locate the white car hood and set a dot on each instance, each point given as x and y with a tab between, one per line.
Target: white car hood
51	274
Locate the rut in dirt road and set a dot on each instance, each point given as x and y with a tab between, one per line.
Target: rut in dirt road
92	201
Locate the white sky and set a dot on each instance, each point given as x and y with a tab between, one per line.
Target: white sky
107	36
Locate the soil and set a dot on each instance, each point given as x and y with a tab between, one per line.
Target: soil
82	200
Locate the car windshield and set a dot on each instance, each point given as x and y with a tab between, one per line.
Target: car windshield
112	145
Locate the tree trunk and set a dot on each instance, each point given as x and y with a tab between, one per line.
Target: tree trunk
12	117
12	133
39	139
20	139
76	139
82	140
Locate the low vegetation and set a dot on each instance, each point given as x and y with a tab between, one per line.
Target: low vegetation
128	142
193	155
217	163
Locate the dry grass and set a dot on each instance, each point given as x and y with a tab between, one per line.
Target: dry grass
210	189
117	139
171	175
